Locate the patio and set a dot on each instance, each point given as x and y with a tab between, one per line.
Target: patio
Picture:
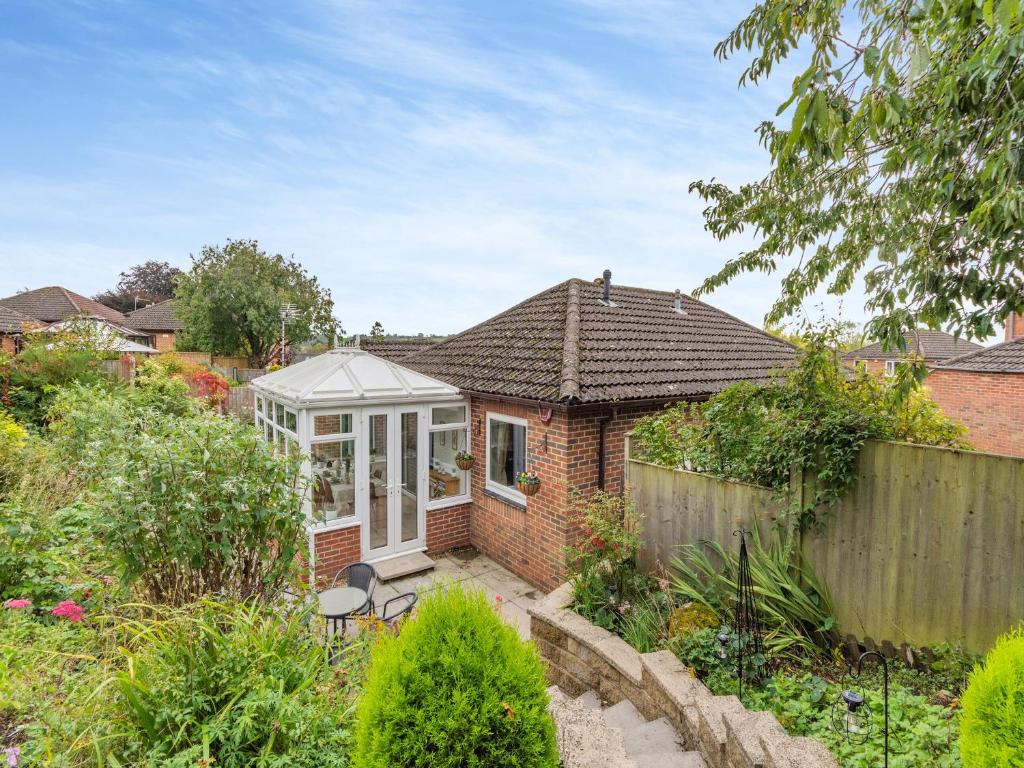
474	569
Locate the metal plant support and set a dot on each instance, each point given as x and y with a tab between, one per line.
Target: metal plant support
748	640
851	715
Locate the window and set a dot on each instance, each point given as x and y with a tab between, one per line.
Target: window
449	435
506	453
332	424
890	367
333	483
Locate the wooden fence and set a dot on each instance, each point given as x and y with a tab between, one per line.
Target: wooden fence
121	369
239	402
928	547
221	361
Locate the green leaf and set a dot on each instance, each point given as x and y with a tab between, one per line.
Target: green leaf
871	58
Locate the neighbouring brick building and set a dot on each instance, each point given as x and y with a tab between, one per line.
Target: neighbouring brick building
54	303
554	385
12	325
984	389
159	321
933	346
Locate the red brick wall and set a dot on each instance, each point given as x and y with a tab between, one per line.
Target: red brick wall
448	528
1014	327
991	405
584	442
333	549
6	343
163	340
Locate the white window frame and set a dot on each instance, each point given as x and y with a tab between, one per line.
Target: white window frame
512	494
467	493
355	518
890	367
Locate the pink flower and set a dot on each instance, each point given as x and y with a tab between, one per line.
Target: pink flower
14	604
69	610
498	600
663	584
12	754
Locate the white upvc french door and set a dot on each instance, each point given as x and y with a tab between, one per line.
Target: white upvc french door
394	461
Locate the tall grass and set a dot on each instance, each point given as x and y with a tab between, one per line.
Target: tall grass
794	605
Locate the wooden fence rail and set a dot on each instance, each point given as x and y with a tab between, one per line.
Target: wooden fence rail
928	547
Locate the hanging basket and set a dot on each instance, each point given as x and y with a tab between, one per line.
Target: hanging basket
528	489
465	462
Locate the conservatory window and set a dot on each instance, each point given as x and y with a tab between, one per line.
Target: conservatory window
506	454
449	435
333	481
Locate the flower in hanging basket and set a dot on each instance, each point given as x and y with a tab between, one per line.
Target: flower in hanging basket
528	482
464	460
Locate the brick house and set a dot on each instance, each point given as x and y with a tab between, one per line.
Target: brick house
551	385
554	385
933	346
12	325
54	303
159	321
984	389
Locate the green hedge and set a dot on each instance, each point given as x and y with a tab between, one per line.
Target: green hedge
456	687
992	726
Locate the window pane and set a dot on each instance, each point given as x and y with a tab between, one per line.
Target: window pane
290	421
409	481
333	424
455	414
446	479
506	453
270	432
259	405
334	493
279	410
378	485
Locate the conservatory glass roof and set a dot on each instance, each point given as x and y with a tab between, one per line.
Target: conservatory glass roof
350	376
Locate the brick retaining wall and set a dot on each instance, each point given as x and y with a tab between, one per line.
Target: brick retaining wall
582	656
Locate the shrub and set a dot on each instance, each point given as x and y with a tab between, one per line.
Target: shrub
992	724
794	606
12	440
230	685
30	381
200	505
455	687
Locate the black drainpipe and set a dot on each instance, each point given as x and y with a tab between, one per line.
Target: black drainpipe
602	426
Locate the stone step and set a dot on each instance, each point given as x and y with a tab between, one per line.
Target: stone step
624	716
589	699
653	737
404	565
585	740
670	760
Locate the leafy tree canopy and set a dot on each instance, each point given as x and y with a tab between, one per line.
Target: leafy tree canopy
902	157
230	302
149	282
377	331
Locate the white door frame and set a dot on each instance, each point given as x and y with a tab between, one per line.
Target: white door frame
394	546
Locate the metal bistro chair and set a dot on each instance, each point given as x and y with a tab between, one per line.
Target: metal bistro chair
397	607
361	576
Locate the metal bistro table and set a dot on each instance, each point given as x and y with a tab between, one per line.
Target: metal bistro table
340	603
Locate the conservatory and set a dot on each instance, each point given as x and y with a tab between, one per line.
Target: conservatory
379	443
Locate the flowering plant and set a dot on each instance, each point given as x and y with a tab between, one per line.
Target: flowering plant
68	609
16	603
528	478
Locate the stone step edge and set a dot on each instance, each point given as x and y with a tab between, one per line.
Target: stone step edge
685	701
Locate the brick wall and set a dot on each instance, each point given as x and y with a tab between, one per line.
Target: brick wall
447	528
1014	327
7	343
991	405
333	549
163	341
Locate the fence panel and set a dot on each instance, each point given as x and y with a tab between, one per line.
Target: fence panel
927	547
239	402
121	369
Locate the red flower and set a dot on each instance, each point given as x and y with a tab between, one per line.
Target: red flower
597	542
70	610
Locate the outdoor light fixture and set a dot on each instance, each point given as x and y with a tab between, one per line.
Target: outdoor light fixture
723	645
851	715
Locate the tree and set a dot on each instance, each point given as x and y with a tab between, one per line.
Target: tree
230	302
377	331
150	282
902	158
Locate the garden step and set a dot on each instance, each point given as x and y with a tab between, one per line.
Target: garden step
589	699
624	716
656	736
585	740
670	760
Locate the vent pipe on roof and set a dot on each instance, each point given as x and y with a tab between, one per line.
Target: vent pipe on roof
677	305
606	282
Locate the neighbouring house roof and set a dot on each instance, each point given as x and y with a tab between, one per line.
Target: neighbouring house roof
12	321
565	346
349	376
54	303
1007	357
394	348
155	317
934	345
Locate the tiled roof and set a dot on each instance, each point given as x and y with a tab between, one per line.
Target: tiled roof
155	317
935	345
54	303
12	321
1007	357
564	345
394	349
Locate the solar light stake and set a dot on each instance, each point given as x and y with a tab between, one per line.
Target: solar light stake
851	715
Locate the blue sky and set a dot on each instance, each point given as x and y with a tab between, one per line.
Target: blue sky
431	162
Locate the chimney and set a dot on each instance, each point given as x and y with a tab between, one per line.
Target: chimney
606	282
1014	326
677	305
